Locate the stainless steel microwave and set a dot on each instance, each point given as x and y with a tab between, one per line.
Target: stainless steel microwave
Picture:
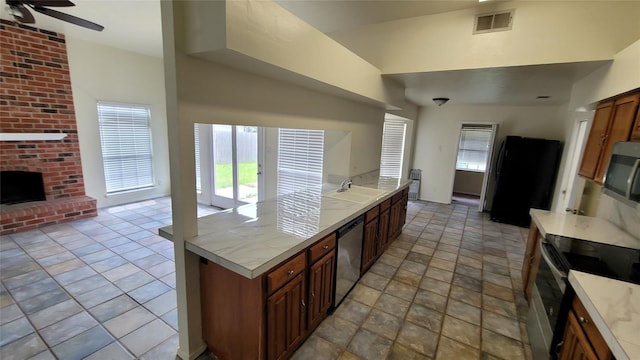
622	180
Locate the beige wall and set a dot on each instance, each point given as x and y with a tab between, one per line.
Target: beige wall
468	182
438	131
571	31
101	73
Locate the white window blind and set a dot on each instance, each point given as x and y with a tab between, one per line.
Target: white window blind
125	138
473	148
392	148
300	159
196	145
300	163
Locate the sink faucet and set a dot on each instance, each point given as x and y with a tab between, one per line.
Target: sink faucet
345	185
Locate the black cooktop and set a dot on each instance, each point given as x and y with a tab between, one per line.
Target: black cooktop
606	260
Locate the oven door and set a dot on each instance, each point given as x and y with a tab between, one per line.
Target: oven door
546	300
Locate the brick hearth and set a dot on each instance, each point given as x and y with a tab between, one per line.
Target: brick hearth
36	97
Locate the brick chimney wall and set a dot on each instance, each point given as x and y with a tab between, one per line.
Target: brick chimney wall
36	97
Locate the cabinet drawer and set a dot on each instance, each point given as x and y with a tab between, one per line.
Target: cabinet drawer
371	214
586	323
322	247
285	272
385	205
405	191
397	197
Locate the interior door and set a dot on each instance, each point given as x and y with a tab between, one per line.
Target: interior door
236	157
572	185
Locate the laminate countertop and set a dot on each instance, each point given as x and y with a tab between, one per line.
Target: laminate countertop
613	305
252	239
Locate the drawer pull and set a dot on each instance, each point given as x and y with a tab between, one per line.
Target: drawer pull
290	272
582	320
325	247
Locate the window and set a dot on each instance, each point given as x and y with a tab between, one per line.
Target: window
196	145
300	159
473	147
300	162
125	138
392	148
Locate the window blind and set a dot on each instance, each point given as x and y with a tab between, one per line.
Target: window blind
300	159
473	148
196	145
300	163
391	158
125	139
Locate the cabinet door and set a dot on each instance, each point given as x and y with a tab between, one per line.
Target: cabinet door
320	289
575	345
635	131
595	142
383	232
403	212
369	245
624	113
394	220
286	318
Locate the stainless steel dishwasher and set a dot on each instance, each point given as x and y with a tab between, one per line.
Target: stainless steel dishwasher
349	258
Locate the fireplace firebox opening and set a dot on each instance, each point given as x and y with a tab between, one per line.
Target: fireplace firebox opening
21	186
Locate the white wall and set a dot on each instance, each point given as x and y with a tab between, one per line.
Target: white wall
438	130
543	32
101	73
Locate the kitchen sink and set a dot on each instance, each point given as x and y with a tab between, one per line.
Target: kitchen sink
357	194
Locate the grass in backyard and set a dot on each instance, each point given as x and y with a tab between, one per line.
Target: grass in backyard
247	175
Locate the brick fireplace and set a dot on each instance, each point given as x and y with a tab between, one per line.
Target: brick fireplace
38	126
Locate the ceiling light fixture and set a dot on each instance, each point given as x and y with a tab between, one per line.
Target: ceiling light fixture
440	100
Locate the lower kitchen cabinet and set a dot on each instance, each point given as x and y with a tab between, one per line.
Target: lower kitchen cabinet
582	340
383	230
531	261
321	280
370	240
286	319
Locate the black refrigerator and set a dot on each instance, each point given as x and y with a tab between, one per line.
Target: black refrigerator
525	175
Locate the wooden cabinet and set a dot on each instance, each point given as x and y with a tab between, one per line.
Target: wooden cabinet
383	229
575	345
582	340
321	279
286	318
595	142
370	239
395	216
635	131
531	261
612	122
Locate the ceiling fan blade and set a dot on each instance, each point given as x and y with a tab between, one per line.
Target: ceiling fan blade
51	3
25	16
69	18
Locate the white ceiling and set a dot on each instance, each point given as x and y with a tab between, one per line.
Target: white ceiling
135	25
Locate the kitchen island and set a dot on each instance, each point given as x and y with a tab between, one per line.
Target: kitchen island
606	312
267	269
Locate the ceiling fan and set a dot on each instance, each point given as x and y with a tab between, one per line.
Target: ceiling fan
20	12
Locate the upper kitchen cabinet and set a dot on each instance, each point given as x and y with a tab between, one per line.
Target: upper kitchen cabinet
613	122
635	132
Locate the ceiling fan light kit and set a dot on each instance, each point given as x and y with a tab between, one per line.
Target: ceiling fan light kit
20	11
440	100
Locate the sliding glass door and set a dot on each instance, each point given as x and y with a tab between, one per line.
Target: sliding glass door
236	167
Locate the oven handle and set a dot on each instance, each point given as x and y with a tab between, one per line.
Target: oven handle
631	178
560	275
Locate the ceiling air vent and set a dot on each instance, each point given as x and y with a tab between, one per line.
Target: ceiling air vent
498	21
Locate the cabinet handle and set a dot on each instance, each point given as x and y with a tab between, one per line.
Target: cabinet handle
325	247
290	272
313	294
559	347
303	305
582	320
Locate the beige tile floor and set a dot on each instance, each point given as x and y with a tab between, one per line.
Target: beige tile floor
448	288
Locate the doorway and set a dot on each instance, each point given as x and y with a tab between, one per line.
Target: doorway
572	184
236	155
475	149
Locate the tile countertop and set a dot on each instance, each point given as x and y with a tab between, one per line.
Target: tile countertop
614	307
582	227
251	239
